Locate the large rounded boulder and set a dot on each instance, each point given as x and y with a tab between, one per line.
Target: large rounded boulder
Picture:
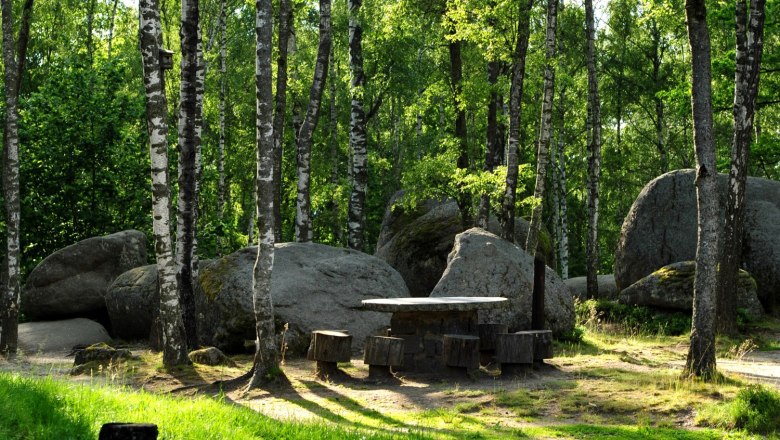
133	302
660	229
59	336
579	287
74	280
671	287
483	264
416	243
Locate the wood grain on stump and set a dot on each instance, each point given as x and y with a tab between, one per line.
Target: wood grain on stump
328	347
461	351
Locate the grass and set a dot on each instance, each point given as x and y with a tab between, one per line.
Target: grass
755	409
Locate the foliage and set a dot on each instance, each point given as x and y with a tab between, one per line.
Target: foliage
755	409
633	319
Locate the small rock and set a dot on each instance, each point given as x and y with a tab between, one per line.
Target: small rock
210	356
101	354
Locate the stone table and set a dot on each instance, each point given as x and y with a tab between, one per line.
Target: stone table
423	322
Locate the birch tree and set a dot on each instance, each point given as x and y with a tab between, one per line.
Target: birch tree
266	353
507	219
14	56
750	43
544	128
357	130
280	108
701	354
594	157
189	144
221	182
492	147
174	340
303	229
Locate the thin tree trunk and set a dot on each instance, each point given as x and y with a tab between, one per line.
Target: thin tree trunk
456	76
280	108
563	247
174	343
493	140
221	183
357	130
544	129
657	58
89	30
13	72
594	157
111	27
750	42
266	352
303	228
515	113
334	152
701	355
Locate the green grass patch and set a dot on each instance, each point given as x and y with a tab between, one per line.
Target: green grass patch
635	320
755	409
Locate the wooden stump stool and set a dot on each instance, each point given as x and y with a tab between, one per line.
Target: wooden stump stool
328	348
487	341
128	431
542	344
514	351
461	352
381	353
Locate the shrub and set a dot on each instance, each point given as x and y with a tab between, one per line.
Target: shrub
755	409
634	319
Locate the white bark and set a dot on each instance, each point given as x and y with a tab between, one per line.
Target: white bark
357	131
594	157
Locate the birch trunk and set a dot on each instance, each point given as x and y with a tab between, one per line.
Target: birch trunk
701	355
266	359
334	152
563	223
174	344
515	113
303	230
492	154
357	130
280	108
594	157
456	76
749	50
544	129
221	183
12	79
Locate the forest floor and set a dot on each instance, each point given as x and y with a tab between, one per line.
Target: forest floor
608	379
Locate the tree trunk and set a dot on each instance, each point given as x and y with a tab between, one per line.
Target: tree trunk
12	80
750	41
515	113
701	355
544	129
174	344
357	130
267	354
456	76
221	183
111	27
333	144
189	141
303	230
563	219
280	108
492	155
656	57
594	158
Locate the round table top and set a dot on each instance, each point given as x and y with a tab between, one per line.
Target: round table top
437	304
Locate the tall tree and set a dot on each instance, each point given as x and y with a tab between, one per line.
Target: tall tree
266	352
493	142
701	355
221	182
303	229
189	144
357	130
461	134
544	128
174	339
594	157
280	108
750	43
14	56
515	113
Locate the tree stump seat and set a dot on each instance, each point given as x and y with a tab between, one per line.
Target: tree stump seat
461	352
514	351
381	353
328	348
542	343
488	333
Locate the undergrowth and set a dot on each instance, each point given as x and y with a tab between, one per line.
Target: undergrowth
755	409
636	320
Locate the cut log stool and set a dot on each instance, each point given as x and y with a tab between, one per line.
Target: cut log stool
128	431
487	341
542	344
381	353
461	352
328	348
514	351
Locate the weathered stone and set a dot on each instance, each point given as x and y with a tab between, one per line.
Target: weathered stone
483	264
101	354
671	287
60	336
416	244
210	356
73	281
660	229
132	301
579	287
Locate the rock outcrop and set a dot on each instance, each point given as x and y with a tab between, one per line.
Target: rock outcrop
660	229
59	336
671	287
579	287
74	280
483	264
